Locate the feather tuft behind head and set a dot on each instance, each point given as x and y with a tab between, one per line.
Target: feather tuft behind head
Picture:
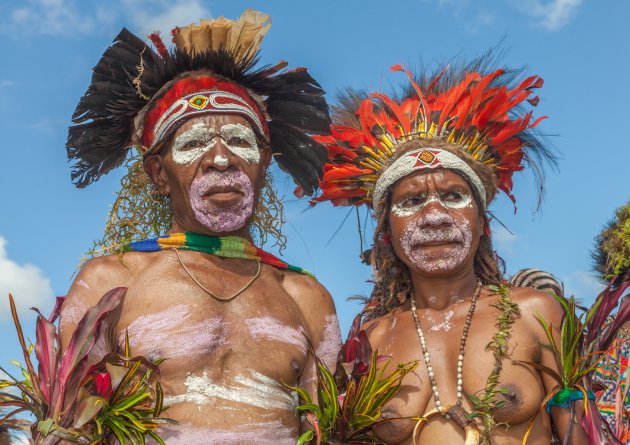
241	37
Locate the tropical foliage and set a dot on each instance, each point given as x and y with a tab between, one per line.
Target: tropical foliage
118	397
585	337
350	400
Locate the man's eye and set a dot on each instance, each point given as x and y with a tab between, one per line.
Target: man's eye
236	141
190	145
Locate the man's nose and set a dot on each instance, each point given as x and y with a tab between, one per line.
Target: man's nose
219	157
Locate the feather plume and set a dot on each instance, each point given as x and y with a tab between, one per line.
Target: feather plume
130	78
240	37
476	108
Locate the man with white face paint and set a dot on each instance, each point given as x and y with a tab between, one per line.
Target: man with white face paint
429	166
233	322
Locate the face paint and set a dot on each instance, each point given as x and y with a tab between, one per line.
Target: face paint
448	200
173	333
436	227
241	140
257	390
271	432
221	161
193	143
222	219
330	343
272	329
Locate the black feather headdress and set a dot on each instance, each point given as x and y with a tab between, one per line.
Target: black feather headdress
131	77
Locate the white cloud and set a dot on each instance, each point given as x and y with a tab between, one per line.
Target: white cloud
503	240
552	15
171	14
51	17
25	282
585	286
6	83
63	18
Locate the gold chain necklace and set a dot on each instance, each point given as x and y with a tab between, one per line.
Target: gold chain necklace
460	358
231	297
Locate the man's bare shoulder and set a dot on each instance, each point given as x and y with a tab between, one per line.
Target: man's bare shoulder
307	292
98	276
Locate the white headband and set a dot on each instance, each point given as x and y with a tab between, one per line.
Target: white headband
421	159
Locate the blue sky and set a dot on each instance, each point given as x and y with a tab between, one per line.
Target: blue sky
579	47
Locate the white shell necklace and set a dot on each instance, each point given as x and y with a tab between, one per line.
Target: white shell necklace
460	358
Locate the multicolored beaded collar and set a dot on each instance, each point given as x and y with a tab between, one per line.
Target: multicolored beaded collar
225	247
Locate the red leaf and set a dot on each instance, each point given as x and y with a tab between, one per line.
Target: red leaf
71	369
103	384
47	347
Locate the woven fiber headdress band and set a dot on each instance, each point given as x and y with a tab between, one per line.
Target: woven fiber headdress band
195	96
425	159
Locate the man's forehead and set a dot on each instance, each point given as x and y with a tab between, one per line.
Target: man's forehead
215	121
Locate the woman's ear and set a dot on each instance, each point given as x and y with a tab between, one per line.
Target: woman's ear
154	166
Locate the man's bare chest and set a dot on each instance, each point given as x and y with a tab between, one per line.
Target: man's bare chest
172	317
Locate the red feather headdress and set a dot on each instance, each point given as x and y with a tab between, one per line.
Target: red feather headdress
473	111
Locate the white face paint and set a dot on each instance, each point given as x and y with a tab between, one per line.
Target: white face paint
448	200
241	140
221	161
200	138
193	143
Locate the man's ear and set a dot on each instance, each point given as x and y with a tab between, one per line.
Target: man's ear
154	166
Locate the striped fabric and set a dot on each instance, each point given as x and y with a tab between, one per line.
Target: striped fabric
538	279
614	401
225	247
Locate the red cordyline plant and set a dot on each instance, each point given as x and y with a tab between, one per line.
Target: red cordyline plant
585	340
118	398
350	400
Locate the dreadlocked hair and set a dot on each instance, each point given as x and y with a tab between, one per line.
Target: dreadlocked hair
140	212
393	285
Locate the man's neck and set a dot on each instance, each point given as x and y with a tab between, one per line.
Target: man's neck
439	292
180	228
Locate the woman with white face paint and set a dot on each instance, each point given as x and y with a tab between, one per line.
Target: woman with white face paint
429	166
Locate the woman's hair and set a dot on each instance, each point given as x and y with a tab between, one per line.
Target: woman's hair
393	284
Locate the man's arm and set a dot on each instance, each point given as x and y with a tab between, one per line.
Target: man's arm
547	308
322	326
98	276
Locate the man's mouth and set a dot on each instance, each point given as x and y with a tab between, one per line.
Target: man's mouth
223	193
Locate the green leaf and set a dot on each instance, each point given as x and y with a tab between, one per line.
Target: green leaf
45	426
305	438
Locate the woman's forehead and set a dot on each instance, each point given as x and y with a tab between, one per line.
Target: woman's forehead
442	178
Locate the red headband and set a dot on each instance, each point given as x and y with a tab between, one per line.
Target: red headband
199	95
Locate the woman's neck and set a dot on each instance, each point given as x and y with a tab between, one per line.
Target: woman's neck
439	292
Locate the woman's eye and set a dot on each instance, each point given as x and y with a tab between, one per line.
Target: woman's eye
452	197
414	201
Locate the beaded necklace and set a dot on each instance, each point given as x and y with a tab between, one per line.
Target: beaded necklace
224	246
460	358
